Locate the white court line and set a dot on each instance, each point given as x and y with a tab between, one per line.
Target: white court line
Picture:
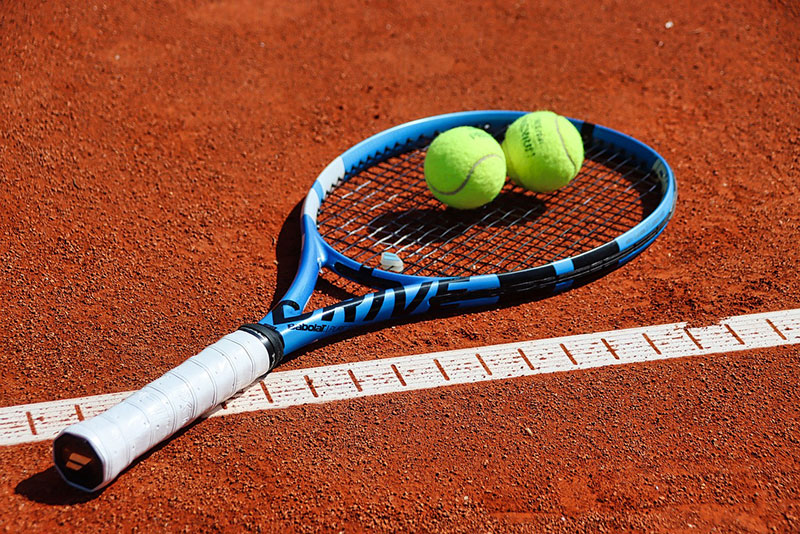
42	421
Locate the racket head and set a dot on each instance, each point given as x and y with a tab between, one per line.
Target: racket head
373	200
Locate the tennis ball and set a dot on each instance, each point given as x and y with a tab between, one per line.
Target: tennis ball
544	151
465	167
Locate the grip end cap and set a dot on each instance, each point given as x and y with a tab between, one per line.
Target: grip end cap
78	462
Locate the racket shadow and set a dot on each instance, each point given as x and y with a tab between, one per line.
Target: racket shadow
434	224
287	253
437	241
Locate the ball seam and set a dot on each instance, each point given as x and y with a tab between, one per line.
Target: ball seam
466	179
564	146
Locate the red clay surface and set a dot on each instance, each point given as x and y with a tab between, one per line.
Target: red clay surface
151	156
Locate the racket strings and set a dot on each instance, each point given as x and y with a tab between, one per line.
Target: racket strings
610	213
386	207
385	188
556	232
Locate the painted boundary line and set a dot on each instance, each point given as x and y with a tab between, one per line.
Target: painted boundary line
42	421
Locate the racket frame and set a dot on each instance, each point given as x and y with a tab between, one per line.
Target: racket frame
298	328
92	453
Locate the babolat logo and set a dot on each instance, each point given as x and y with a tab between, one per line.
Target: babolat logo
308	327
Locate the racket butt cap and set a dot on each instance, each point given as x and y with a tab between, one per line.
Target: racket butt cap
78	462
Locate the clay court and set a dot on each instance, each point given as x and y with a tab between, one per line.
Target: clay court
153	160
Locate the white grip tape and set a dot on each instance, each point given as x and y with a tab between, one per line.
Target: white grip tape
161	408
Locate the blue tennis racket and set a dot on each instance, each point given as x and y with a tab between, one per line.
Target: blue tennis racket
369	218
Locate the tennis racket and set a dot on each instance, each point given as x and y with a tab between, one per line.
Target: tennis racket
369	218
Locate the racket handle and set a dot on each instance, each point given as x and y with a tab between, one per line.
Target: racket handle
90	454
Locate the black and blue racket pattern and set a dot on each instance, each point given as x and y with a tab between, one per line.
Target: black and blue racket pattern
371	204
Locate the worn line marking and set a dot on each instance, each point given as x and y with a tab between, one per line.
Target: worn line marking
483	364
355	380
694	339
30	423
310	384
650	341
43	421
398	375
610	348
441	369
266	391
526	360
734	334
569	354
772	325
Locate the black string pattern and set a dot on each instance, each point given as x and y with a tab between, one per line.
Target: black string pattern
386	207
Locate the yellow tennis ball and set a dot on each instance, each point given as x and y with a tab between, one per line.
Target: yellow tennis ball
465	167
544	151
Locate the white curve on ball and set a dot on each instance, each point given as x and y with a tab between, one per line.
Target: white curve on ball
466	180
564	146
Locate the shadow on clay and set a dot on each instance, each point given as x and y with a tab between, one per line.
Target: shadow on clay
47	487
